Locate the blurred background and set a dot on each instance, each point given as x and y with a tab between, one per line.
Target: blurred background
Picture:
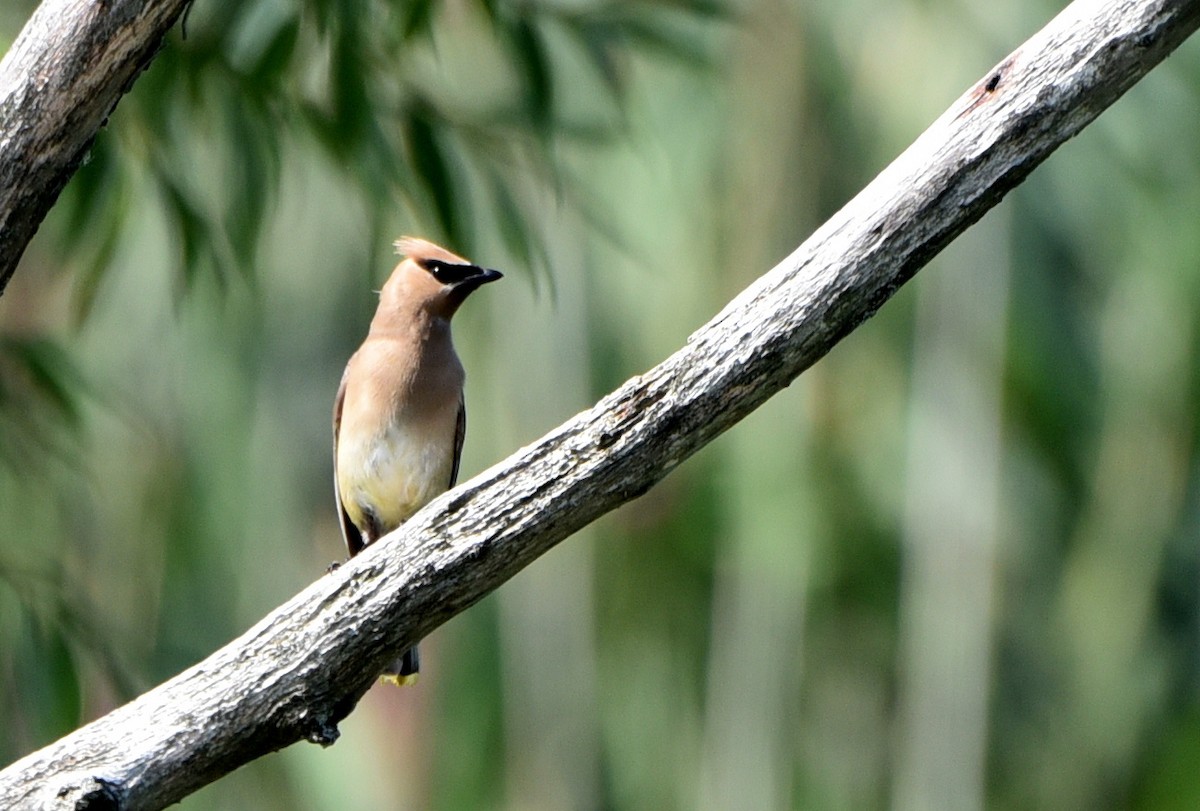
954	566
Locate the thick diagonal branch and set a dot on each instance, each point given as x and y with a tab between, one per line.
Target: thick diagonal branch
303	668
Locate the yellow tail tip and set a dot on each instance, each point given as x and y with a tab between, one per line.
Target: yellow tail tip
398	680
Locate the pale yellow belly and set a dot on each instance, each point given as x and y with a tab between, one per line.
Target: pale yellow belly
393	475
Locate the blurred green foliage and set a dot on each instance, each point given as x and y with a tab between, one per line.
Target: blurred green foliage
954	566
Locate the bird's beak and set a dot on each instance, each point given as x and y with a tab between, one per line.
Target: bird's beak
475	280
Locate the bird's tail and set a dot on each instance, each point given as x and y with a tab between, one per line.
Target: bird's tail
404	670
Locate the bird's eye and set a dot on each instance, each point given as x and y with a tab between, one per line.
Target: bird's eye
449	273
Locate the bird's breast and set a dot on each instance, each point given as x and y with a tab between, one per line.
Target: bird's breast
396	440
395	472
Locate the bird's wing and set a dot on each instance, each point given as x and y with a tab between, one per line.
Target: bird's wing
350	533
460	433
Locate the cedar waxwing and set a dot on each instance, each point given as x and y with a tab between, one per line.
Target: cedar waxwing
399	418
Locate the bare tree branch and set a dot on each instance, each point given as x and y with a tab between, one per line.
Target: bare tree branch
59	82
302	669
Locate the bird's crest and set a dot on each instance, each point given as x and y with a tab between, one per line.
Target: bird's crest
418	249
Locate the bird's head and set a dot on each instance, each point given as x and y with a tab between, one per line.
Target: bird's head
432	278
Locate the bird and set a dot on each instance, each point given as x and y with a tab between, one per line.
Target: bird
399	418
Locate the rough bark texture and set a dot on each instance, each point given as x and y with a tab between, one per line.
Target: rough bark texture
58	84
298	672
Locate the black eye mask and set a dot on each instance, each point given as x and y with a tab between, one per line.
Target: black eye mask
450	272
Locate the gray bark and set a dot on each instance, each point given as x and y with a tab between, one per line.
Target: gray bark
302	669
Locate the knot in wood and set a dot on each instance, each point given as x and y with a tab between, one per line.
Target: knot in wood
96	794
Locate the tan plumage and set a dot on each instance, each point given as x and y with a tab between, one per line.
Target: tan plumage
399	419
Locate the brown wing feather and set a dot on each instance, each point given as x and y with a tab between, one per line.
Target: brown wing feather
460	433
350	533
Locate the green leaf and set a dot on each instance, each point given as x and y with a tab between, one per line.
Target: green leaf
416	18
253	177
352	108
47	681
432	168
190	228
51	376
530	52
